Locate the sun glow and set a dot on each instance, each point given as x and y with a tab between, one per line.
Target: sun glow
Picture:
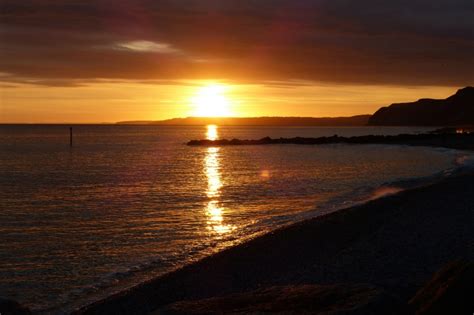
211	101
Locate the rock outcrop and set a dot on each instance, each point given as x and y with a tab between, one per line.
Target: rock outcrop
453	140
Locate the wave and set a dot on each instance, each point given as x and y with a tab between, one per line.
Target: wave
463	162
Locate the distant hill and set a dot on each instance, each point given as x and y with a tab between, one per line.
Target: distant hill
456	110
360	120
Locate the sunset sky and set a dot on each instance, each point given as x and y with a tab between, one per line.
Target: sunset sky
113	60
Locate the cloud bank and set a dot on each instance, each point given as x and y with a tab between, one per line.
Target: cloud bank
415	42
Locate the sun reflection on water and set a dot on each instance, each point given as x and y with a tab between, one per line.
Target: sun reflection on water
214	183
211	133
212	172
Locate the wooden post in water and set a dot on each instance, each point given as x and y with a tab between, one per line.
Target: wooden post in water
70	136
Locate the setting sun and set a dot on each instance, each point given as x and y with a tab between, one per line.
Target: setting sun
211	101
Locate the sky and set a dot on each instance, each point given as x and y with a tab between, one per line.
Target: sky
114	60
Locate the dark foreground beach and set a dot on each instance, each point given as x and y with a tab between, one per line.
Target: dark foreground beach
369	259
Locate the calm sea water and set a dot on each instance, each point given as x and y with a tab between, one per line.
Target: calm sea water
127	203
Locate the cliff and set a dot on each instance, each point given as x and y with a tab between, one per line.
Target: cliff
456	110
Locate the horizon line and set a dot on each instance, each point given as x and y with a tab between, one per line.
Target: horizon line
174	118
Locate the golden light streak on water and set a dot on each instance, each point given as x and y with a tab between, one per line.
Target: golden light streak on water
211	162
214	211
212	133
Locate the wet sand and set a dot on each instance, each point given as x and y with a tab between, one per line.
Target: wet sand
395	243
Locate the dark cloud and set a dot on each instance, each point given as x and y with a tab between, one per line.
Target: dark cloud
379	42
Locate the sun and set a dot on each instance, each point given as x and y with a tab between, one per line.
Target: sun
211	101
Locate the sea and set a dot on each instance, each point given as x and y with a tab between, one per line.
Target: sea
129	203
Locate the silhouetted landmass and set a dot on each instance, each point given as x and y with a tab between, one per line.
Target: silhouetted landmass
451	140
456	110
360	120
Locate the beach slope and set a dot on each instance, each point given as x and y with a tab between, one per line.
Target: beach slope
395	243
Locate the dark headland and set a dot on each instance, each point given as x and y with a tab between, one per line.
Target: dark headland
456	110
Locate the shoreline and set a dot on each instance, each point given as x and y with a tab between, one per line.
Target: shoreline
391	188
255	263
